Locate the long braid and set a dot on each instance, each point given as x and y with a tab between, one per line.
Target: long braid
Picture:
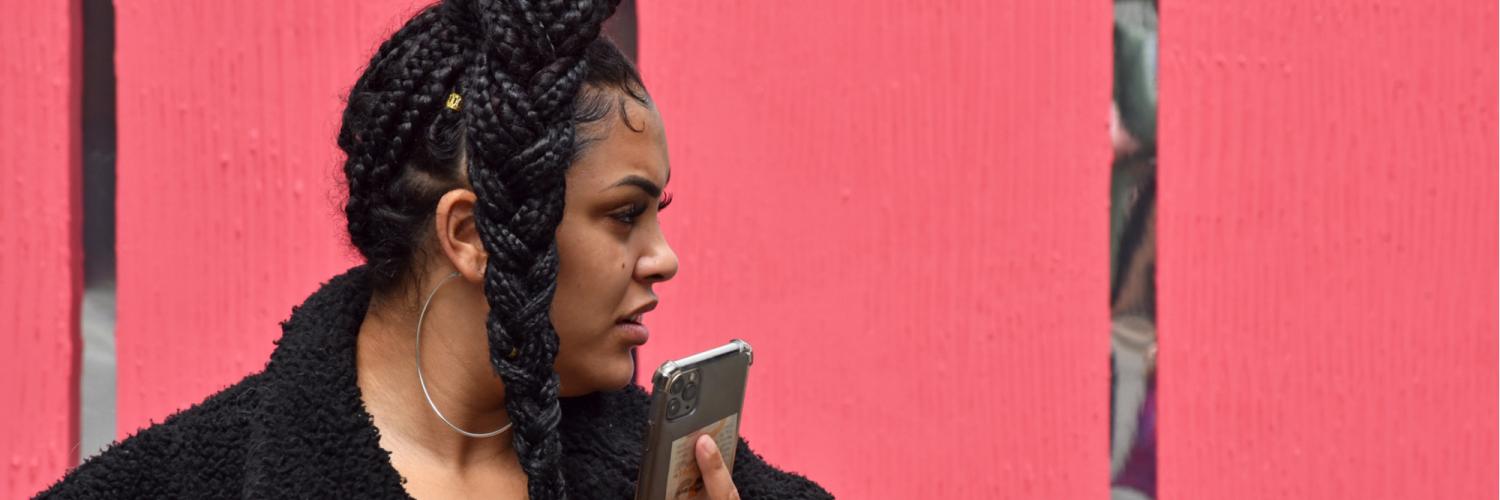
521	135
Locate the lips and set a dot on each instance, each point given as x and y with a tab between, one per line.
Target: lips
634	332
631	325
634	316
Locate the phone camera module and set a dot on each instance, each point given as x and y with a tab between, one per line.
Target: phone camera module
682	393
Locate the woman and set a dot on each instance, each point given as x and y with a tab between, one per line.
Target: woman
505	172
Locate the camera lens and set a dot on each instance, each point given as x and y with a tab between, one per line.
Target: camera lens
690	392
673	406
676	387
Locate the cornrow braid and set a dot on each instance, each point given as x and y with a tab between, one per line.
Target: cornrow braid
387	202
529	74
521	134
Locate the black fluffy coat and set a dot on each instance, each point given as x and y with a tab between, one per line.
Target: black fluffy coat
299	429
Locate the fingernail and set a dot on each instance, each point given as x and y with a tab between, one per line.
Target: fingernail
705	445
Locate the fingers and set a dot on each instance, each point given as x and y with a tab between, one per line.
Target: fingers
716	478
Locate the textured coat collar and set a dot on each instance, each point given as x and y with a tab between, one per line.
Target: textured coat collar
312	436
311	433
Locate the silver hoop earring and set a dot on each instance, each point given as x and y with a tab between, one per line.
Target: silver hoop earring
423	380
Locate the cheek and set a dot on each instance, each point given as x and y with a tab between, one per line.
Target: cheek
591	289
592	280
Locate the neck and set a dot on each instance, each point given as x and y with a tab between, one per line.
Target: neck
455	364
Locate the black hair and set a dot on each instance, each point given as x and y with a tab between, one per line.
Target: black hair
528	74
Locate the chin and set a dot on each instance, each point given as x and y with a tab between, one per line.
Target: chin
603	375
622	376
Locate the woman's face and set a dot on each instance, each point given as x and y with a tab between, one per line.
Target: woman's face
611	249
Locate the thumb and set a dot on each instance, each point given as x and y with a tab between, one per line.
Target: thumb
716	477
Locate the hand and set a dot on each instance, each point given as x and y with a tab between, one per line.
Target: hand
716	477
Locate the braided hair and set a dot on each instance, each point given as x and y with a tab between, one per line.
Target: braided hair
529	74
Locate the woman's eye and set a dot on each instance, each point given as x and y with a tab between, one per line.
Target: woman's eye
666	200
629	215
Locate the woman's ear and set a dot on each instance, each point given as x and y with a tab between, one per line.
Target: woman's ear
458	234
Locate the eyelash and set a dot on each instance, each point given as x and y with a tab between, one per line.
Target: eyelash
628	216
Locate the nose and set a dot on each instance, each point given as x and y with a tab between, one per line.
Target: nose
658	263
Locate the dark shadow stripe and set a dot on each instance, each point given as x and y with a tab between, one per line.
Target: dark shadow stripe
96	406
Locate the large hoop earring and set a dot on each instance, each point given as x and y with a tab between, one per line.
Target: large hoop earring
423	380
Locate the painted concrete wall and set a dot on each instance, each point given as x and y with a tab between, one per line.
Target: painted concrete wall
904	209
1327	250
901	205
937	214
228	182
41	251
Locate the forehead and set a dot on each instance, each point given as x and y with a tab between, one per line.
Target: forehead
629	140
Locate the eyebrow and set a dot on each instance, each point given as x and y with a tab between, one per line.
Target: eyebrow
640	182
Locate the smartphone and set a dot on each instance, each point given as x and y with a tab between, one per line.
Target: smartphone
697	395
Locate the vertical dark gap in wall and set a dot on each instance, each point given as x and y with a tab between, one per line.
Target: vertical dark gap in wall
622	28
97	382
1132	250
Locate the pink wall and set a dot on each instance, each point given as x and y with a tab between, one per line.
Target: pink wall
228	182
904	209
901	206
41	251
226	160
1328	250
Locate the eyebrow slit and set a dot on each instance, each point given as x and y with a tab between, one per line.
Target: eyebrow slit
640	182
